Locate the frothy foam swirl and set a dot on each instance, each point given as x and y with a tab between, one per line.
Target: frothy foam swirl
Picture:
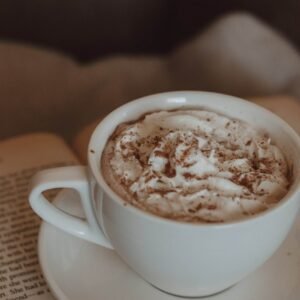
195	166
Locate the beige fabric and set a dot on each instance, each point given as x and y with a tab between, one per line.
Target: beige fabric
44	90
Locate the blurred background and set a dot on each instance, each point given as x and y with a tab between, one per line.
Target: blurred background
89	29
246	48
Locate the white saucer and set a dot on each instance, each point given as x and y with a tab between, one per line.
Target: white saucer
76	269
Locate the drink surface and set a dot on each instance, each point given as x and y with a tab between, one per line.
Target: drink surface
195	166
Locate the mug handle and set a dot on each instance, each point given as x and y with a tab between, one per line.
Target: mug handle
75	177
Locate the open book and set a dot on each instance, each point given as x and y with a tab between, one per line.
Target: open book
20	158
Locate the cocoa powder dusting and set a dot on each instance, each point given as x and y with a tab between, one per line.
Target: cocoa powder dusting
161	154
199	206
212	207
188	176
179	151
169	170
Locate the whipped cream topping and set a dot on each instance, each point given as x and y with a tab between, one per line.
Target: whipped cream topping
195	166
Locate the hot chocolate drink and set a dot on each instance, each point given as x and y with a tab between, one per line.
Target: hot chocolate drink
195	166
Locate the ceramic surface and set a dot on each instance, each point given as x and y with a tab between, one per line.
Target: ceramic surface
76	269
180	258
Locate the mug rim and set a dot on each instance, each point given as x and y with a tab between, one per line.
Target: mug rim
97	174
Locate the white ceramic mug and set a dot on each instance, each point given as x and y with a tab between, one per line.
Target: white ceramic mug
180	258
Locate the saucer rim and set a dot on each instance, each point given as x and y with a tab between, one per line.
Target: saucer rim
54	288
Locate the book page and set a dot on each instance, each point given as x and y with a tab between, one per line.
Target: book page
20	158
